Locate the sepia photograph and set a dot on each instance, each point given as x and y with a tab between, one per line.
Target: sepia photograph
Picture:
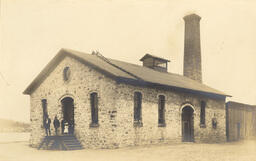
127	80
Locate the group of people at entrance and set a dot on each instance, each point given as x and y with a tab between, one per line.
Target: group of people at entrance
67	127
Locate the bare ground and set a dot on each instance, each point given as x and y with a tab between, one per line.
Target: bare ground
236	151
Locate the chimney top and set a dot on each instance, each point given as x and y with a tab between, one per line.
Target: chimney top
192	17
192	48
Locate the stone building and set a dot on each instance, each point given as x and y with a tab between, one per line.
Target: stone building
116	104
241	121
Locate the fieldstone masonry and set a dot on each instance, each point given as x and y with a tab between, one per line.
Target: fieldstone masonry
83	81
150	133
116	107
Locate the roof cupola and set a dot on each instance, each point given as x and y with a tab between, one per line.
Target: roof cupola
155	62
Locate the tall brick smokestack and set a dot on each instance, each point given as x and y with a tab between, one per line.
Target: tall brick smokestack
192	48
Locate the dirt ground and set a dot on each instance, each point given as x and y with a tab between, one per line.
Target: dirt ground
19	150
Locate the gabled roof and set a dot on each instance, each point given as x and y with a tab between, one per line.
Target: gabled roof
128	73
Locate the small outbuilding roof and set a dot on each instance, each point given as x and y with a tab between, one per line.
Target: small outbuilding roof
233	104
127	73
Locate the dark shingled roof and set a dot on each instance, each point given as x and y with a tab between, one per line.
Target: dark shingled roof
127	72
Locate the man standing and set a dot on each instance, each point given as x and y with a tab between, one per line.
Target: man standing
56	124
72	126
47	124
62	126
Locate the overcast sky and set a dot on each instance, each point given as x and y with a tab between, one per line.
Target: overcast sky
33	31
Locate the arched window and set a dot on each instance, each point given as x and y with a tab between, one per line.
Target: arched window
94	109
202	114
161	110
137	109
66	73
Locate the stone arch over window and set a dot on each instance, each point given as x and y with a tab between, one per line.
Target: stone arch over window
67	95
93	91
187	104
162	95
137	108
140	91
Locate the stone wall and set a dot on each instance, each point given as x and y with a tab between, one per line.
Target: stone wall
150	133
116	110
83	81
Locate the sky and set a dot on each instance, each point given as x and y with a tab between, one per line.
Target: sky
33	31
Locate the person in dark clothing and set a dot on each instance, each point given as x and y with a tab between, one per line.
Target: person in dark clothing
69	127
62	126
47	125
72	126
56	124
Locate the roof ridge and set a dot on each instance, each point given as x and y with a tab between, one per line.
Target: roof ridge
111	63
99	55
140	66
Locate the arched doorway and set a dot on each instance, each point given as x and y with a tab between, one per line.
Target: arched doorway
68	114
187	124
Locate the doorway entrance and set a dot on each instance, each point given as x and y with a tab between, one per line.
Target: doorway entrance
68	124
187	124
